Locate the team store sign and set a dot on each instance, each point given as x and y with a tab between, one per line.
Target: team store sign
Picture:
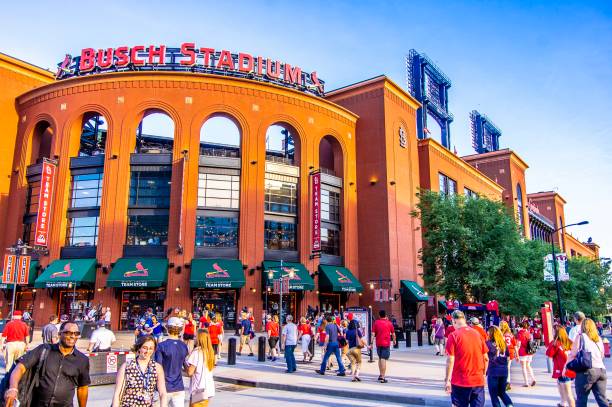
47	181
189	58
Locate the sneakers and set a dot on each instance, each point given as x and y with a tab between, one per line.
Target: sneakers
251	354
533	383
274	359
320	372
383	381
238	353
341	374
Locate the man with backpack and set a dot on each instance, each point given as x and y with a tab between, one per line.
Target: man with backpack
246	334
16	334
60	368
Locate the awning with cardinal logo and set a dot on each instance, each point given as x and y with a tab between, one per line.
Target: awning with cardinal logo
138	272
67	273
216	273
338	279
301	280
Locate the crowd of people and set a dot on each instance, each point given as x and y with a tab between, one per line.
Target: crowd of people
190	344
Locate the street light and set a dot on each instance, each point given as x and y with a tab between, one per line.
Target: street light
554	260
280	278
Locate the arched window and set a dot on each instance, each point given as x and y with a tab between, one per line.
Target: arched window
41	142
155	133
93	135
220	136
331	165
280	144
519	204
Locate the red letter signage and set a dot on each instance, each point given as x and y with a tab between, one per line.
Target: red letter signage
45	197
316	212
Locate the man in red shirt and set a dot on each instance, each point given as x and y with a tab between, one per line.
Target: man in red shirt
16	334
383	331
477	327
465	364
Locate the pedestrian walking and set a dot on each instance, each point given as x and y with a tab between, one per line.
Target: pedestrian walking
65	370
273	331
579	317
107	317
438	332
200	365
189	331
383	331
595	377
466	358
478	327
523	339
331	346
215	330
356	344
558	350
171	354
101	339
16	336
290	334
246	334
512	348
139	379
157	330
305	335
50	332
497	369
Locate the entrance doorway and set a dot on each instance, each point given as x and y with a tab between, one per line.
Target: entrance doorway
330	302
223	302
289	305
74	303
135	303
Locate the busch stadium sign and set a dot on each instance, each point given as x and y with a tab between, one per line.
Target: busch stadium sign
189	58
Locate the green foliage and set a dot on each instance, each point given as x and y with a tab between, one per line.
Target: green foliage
473	251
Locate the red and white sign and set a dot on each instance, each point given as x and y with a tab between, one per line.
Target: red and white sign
381	295
24	269
316	211
10	266
281	287
45	198
111	363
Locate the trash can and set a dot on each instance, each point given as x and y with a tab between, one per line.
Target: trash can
606	343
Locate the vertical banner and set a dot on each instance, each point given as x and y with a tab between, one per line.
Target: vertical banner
8	277
24	269
316	211
45	197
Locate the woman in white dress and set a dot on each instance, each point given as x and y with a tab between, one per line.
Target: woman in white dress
199	366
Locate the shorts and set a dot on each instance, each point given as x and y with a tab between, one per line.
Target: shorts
526	358
273	341
383	352
564	379
245	339
439	341
187	337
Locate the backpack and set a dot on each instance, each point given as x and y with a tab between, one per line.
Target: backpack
28	382
531	347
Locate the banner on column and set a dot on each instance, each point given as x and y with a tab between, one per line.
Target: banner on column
10	266
316	211
45	197
24	269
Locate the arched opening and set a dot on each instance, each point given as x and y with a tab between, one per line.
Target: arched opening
282	144
281	193
331	163
93	135
41	142
155	133
218	213
220	137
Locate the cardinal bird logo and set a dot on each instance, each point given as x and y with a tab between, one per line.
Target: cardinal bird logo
139	272
63	68
342	278
66	272
218	273
288	270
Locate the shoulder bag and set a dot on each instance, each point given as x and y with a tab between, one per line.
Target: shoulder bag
199	394
582	362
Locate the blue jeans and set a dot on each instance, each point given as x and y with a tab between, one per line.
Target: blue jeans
290	358
497	390
332	347
467	396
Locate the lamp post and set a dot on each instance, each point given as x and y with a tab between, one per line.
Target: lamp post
554	260
280	277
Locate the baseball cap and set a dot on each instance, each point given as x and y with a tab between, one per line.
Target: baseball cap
350	316
458	314
175	322
475	321
17	313
101	323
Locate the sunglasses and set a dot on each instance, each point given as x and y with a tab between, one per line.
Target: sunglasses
72	333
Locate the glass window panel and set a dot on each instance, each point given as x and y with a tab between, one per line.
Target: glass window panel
150	189
280	196
219	191
82	231
86	190
280	235
330	241
216	231
147	230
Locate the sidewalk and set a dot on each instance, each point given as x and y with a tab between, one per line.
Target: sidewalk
416	376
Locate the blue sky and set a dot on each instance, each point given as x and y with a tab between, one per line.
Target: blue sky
542	71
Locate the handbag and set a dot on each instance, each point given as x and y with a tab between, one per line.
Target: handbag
583	361
361	343
199	394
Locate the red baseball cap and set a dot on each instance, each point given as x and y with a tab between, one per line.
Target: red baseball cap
350	316
17	313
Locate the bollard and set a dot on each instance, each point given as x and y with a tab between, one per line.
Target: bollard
420	337
231	351
261	349
408	338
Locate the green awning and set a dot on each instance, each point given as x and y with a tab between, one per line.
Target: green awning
301	278
216	273
31	276
338	279
138	272
64	273
413	291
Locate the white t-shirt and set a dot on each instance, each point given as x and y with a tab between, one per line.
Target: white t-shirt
202	378
596	349
574	332
103	338
107	317
291	332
